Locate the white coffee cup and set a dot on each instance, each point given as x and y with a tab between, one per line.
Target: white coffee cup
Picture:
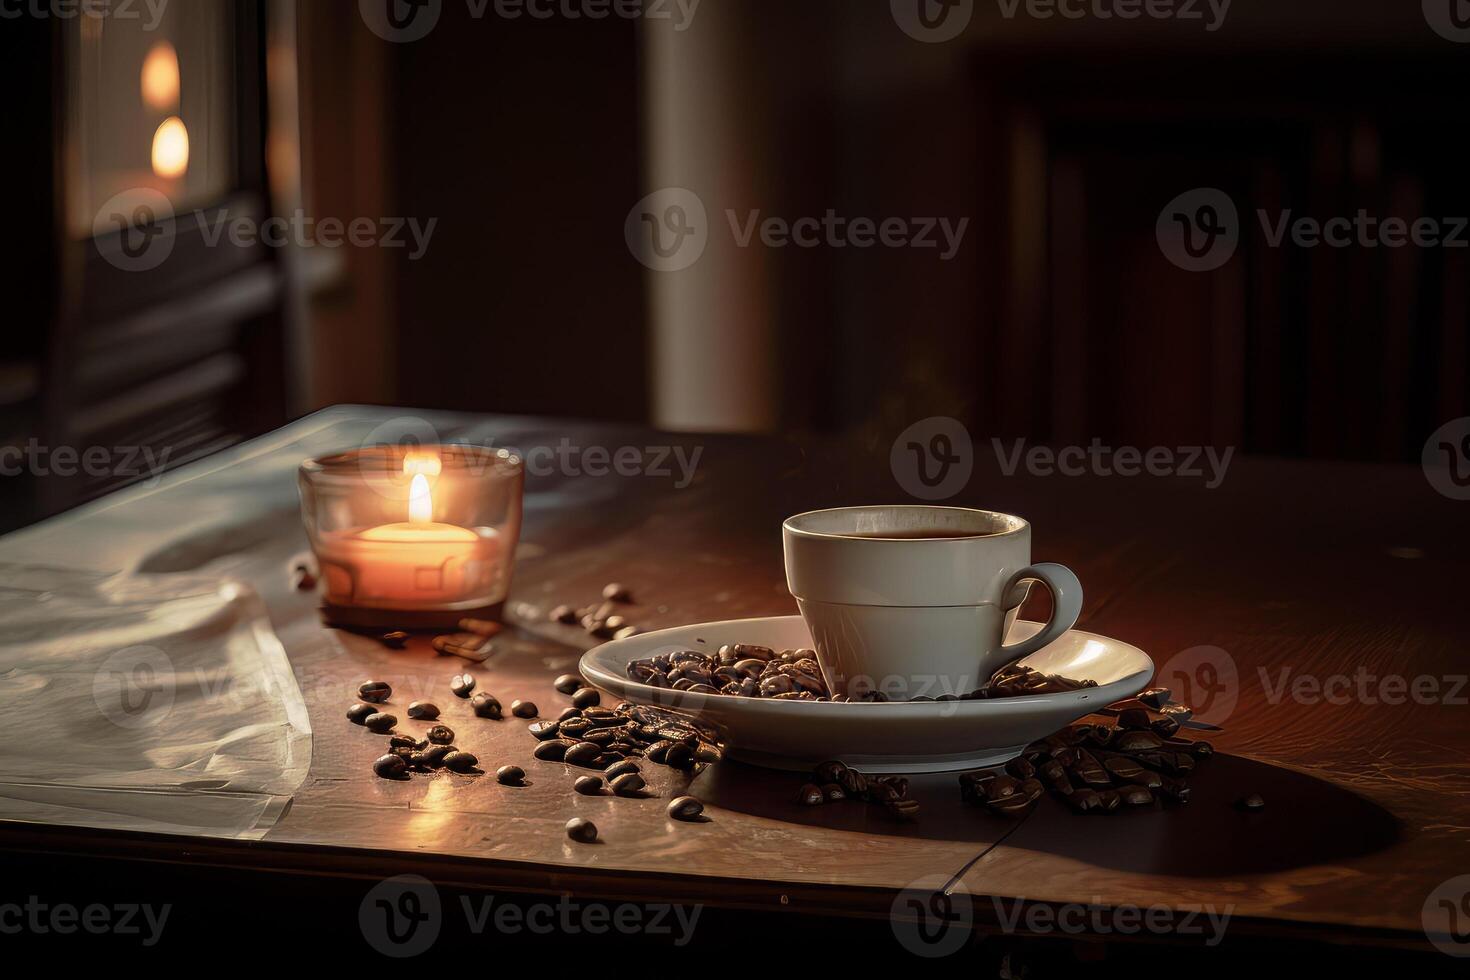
916	600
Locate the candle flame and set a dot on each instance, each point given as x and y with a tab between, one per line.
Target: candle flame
171	148
420	501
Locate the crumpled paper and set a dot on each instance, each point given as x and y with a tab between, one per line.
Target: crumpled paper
159	703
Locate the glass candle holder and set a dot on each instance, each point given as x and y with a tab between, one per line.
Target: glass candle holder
413	538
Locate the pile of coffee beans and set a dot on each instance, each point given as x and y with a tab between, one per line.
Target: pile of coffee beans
436	750
749	670
833	782
595	737
1099	767
605	619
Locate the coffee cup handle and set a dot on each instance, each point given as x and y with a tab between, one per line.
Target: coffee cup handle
1066	605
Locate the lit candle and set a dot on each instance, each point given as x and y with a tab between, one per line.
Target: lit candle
411	564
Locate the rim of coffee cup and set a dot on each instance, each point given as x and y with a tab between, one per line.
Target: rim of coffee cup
1016	525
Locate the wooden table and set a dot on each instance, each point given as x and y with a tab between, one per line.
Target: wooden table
1311	568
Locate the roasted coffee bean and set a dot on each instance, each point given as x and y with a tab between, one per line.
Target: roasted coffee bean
1149	779
543	730
1123	767
657	751
402	741
582	830
973	785
616	592
586	697
833	792
440	735
1056	777
575	728
903	809
510	775
581	754
1179	712
625	632
404	752
679	756
463	685
569	713
707	753
423	710
359	712
1133	719
827	772
1165	727
487	705
394	640
852	782
568	683
524	709
391	766
618	768
563	614
1009	805
1135	795
614	623
375	692
811	795
380	723
1175	790
1201	749
1137	741
628	784
587	785
1001	786
1253	802
1032	789
601	717
1156	697
460	761
1111	799
685	808
1021	768
602	736
1084	800
1090	771
553	750
1102	736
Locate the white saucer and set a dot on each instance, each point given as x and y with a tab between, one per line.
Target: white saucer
924	736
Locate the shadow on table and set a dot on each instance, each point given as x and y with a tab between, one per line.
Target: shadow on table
1306	820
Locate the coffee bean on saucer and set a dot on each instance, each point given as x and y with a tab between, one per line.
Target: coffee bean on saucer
1255	801
375	692
542	730
581	754
524	709
487	705
391	766
463	685
582	830
510	775
460	761
563	614
423	710
440	735
553	749
811	795
360	711
685	808
568	683
628	784
1156	697
586	697
618	768
380	722
394	640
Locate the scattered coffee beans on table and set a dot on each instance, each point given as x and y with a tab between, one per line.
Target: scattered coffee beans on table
471	646
461	761
423	710
685	808
582	830
462	685
380	723
486	705
441	735
524	709
568	684
587	785
375	692
391	766
510	775
359	712
394	640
